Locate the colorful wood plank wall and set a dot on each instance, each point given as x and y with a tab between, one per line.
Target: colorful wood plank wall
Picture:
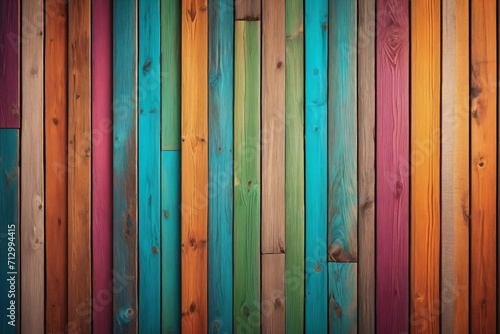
247	166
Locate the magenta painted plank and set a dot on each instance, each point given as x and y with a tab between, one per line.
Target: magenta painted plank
102	165
9	64
392	166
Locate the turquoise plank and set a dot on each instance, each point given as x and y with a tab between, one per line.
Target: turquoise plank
149	167
125	166
171	241
220	165
9	228
316	55
342	297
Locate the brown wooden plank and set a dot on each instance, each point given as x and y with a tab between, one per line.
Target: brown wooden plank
273	293
248	10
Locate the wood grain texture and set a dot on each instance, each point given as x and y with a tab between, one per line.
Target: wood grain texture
273	127
247	277
366	165
102	166
425	169
56	188
32	171
170	17
342	133
248	10
294	166
273	294
220	162
149	166
171	242
125	166
483	167
316	179
10	112
393	154
342	298
455	173
9	225
194	155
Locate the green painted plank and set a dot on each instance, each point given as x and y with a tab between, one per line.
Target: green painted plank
9	227
247	177
171	74
342	298
294	166
342	133
171	242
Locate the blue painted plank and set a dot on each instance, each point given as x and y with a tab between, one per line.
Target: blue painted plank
171	241
149	166
316	55
220	165
342	297
9	227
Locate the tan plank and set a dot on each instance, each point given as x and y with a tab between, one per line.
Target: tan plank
273	293
248	10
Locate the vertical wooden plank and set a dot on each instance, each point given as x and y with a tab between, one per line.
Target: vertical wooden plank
425	157
32	169
56	191
125	166
342	133
273	294
455	173
9	224
273	127
171	242
247	177
316	184
393	153
366	164
342	297
194	194
220	172
294	166
170	74
10	112
248	10
483	168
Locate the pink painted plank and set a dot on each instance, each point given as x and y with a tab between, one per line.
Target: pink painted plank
9	64
102	165
392	166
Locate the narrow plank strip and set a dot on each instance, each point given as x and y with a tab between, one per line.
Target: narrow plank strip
342	133
342	297
56	190
483	167
273	296
170	74
273	127
125	166
10	112
393	153
425	157
171	242
194	148
9	224
316	184
294	166
32	170
248	10
247	177
455	174
220	172
366	164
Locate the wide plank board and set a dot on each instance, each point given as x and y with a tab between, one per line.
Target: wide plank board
273	294
342	298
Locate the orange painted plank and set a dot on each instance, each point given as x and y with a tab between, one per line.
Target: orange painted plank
194	152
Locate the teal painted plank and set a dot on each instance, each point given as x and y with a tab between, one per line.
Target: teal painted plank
171	242
171	74
342	298
342	133
125	166
149	166
220	165
9	227
316	54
